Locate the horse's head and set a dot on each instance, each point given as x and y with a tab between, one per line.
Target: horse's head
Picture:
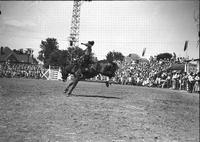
64	73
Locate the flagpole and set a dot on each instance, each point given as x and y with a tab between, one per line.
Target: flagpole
186	49
186	54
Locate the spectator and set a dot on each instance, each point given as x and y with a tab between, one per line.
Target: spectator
190	82
20	70
174	80
196	87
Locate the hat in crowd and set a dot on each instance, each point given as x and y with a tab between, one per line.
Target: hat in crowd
91	42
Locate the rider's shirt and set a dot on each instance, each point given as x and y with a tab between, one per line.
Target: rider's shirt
87	56
88	51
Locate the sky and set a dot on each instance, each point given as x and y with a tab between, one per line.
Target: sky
121	26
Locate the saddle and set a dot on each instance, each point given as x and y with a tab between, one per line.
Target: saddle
88	68
84	64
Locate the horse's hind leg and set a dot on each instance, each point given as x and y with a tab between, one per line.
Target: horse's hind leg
75	82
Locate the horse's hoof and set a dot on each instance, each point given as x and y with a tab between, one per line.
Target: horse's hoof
65	90
107	84
69	94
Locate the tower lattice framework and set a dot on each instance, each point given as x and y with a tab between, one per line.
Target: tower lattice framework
75	24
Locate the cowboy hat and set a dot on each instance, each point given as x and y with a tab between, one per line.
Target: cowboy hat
91	42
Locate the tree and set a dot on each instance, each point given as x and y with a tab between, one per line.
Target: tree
114	56
47	47
59	58
29	52
75	52
53	59
164	55
21	51
64	58
110	56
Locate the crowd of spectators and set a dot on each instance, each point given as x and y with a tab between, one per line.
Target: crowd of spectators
151	73
155	74
20	70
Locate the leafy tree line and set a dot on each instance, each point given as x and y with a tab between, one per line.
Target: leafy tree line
51	55
115	56
21	51
164	56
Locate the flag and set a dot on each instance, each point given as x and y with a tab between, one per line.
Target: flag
174	55
143	52
186	45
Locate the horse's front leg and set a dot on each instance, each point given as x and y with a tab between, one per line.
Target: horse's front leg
70	84
108	81
74	83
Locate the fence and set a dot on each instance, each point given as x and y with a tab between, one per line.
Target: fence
52	73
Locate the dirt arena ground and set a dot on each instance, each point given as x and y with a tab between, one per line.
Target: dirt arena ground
38	111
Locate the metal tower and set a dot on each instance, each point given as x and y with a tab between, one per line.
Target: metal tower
75	23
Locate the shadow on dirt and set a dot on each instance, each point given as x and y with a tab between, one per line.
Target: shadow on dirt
96	96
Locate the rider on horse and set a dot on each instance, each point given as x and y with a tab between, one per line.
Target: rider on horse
86	59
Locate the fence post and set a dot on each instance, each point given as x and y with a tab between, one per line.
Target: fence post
59	74
49	77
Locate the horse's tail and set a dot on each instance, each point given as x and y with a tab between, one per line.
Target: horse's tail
115	66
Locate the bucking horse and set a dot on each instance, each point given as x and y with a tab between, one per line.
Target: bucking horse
102	67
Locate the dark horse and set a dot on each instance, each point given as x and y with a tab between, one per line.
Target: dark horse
102	67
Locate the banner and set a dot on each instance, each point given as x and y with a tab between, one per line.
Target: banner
186	45
143	52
